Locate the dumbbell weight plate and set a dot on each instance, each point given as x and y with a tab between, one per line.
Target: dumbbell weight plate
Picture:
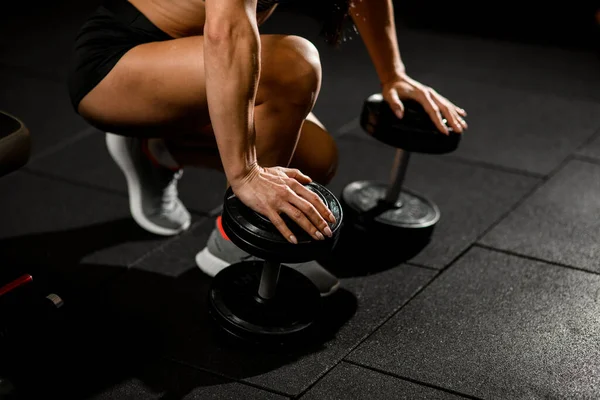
256	235
415	132
363	202
234	303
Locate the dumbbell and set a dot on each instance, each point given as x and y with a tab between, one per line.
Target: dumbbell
390	209
265	301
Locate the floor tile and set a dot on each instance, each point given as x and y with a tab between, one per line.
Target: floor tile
114	367
559	222
170	380
470	198
517	129
165	299
497	326
352	382
75	236
591	149
87	161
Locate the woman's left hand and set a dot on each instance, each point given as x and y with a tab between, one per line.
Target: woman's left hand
437	106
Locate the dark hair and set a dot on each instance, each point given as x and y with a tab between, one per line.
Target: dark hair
335	17
333	14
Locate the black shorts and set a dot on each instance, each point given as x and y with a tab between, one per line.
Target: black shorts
110	32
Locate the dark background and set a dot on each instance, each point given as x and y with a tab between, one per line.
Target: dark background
503	303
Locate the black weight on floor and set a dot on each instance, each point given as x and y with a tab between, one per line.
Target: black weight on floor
391	209
366	208
263	301
235	304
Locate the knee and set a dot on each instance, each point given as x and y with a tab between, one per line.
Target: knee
297	70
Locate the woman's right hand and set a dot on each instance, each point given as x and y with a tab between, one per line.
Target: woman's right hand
277	190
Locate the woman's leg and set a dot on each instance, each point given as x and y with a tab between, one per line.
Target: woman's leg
316	153
158	90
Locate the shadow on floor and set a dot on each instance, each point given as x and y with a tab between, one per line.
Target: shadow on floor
116	322
60	258
170	314
358	253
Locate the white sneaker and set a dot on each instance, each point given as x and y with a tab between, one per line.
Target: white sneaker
153	198
220	252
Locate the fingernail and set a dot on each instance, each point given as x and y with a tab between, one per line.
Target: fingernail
331	218
293	239
328	232
399	114
319	235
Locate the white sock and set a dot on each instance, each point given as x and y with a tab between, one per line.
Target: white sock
160	154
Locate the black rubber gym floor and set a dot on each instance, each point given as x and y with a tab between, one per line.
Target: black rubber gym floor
504	302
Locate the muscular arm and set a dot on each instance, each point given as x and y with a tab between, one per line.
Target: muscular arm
232	68
369	17
375	22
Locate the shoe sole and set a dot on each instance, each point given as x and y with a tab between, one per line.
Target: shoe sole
209	264
116	148
212	265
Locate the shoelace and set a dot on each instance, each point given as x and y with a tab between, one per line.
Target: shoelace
170	193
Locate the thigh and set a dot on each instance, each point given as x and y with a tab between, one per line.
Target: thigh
153	87
316	152
159	89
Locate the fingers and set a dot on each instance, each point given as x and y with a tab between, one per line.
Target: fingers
313	199
306	209
439	108
450	112
318	224
454	120
278	222
297	175
300	218
396	104
433	110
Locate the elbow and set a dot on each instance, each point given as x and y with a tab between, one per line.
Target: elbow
227	30
217	32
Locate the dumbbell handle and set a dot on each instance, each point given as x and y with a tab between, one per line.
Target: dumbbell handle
397	179
268	279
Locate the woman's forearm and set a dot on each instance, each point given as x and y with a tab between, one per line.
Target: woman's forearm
375	22
232	67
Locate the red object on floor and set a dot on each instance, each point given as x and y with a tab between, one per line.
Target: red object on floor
23	280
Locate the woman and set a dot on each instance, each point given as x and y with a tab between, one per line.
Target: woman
192	83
